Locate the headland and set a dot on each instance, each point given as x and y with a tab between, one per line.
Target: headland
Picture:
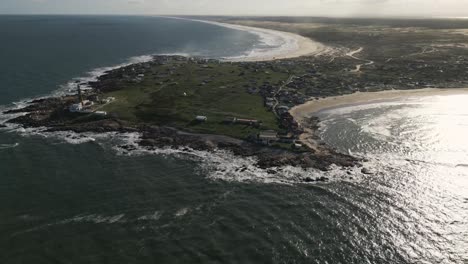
260	105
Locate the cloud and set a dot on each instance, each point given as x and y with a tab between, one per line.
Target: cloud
241	7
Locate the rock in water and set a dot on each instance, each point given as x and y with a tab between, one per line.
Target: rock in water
308	179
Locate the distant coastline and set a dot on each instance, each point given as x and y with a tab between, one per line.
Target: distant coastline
283	45
276	99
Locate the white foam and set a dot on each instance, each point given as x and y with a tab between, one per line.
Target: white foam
216	165
68	88
153	217
273	43
94	74
8	146
90	218
224	165
220	164
181	212
380	127
95	218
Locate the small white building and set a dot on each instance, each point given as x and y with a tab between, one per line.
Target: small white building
201	118
108	100
87	103
297	145
282	109
100	113
75	108
267	137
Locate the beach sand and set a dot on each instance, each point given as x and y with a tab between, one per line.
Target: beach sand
295	45
308	109
282	45
290	45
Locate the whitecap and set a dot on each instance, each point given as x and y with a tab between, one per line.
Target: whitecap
95	218
181	212
8	146
153	217
218	165
94	75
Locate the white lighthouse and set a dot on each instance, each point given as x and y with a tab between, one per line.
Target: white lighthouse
75	108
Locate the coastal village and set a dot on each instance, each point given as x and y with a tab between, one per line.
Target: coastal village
297	81
244	107
288	153
290	129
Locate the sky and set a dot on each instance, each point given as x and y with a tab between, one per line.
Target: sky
346	8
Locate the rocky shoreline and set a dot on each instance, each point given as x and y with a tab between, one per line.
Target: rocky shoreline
52	113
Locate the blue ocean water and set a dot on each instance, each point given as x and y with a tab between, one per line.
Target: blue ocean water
78	199
40	53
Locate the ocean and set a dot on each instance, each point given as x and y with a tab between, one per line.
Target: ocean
68	198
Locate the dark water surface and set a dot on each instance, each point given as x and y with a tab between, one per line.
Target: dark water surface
38	53
418	149
87	203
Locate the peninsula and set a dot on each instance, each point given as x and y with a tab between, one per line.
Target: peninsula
250	106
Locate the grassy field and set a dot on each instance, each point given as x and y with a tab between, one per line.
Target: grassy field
175	93
418	55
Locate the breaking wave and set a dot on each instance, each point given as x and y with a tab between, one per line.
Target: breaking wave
217	165
271	43
224	165
8	146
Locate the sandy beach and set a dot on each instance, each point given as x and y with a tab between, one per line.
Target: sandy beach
278	44
285	44
307	110
303	112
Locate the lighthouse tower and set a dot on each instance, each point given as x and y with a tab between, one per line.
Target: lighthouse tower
80	95
74	108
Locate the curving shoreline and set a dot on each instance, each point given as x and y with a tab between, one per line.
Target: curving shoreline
305	113
53	114
308	109
293	45
296	45
280	45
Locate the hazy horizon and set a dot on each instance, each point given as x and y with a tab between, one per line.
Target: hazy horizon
321	8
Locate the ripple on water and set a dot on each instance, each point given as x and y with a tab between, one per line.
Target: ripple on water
417	148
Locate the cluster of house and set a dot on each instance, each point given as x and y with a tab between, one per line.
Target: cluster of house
288	96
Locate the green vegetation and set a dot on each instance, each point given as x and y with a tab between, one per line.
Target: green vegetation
174	89
175	93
